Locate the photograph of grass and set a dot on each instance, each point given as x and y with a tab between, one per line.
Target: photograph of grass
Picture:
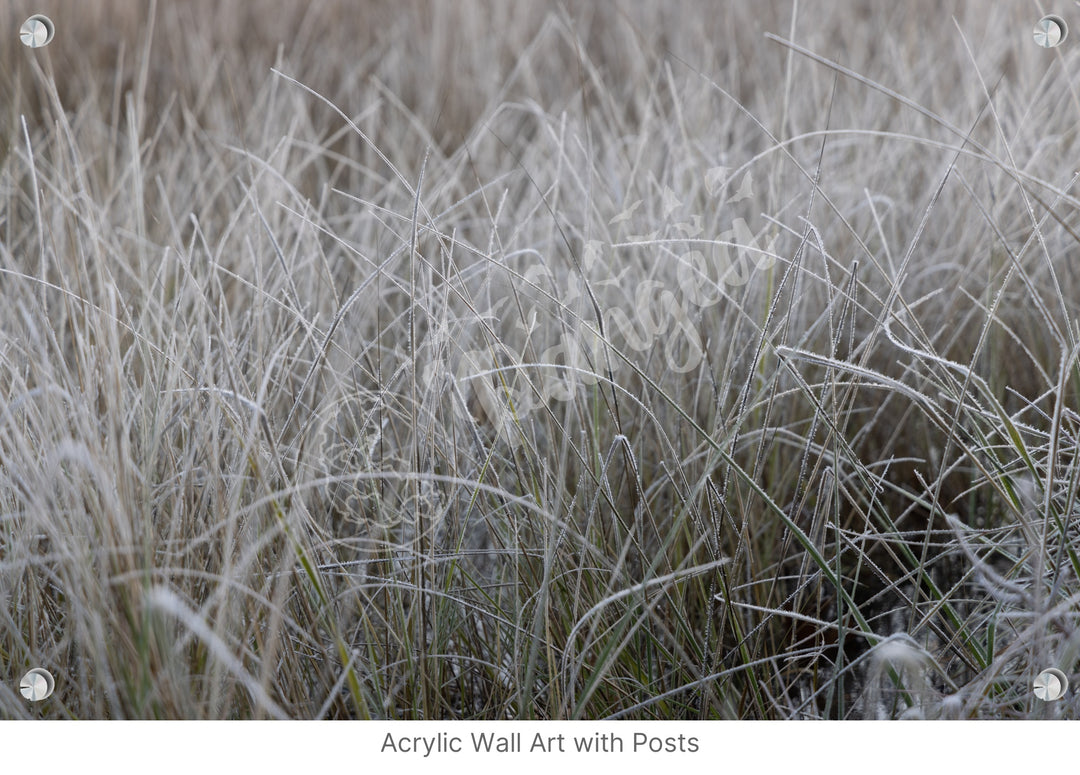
553	360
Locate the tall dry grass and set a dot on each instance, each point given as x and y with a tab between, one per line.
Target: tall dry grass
351	368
